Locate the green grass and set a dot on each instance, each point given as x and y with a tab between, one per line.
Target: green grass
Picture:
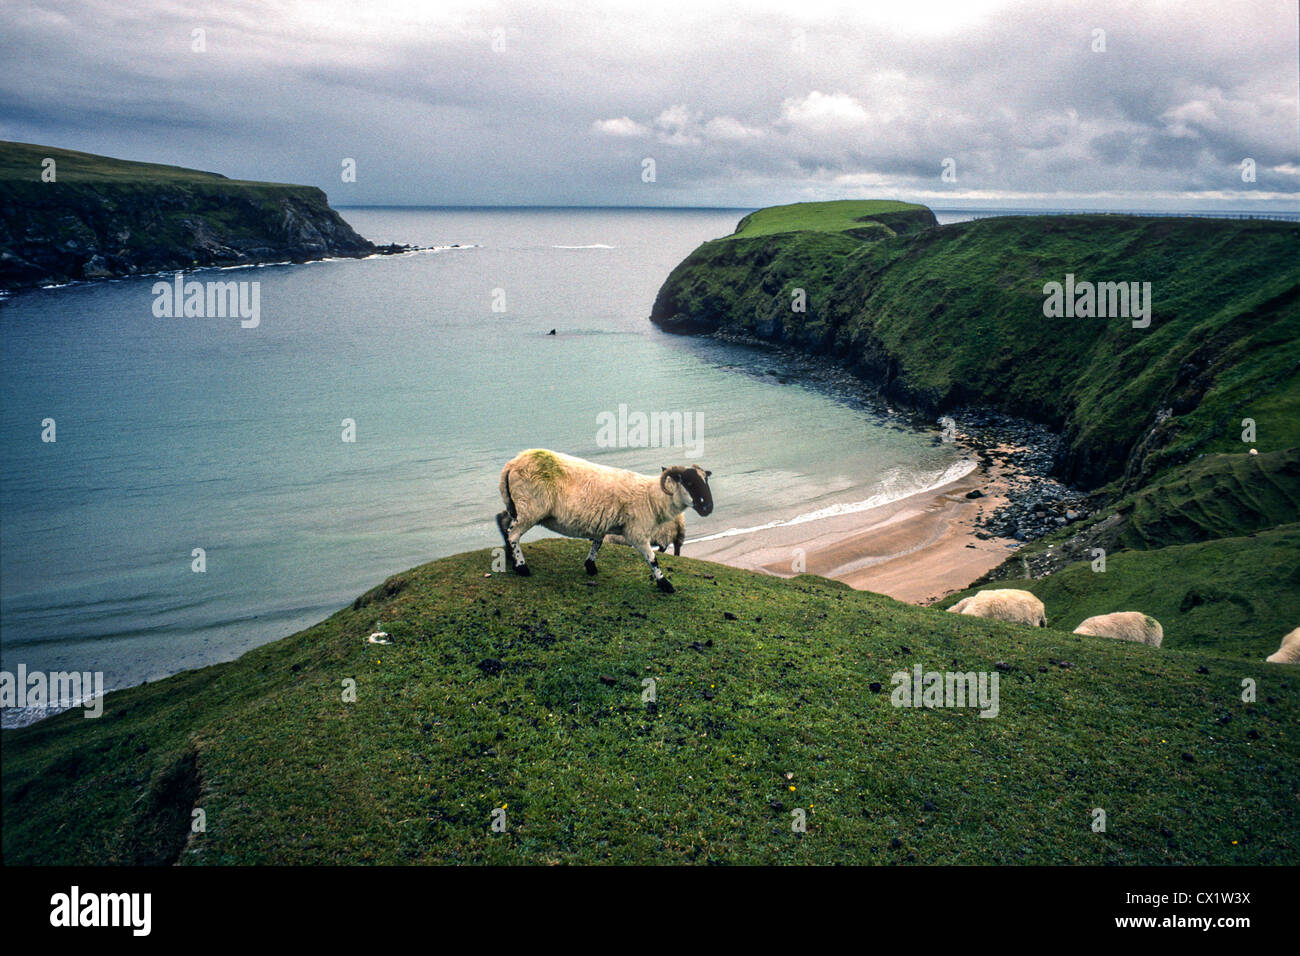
954	315
1214	496
1235	596
868	218
526	694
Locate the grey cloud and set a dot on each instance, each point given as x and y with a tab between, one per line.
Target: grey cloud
579	95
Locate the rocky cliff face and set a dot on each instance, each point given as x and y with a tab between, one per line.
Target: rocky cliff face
99	217
62	232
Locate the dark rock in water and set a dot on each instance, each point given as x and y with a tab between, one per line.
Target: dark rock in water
552	332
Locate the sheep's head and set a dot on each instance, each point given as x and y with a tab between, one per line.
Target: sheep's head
691	482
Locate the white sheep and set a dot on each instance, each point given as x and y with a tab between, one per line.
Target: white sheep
670	534
1004	604
1289	651
581	499
1125	626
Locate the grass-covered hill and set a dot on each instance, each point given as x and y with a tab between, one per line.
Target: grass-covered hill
1197	532
858	218
953	315
771	695
103	217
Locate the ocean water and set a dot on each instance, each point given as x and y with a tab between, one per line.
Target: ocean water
180	433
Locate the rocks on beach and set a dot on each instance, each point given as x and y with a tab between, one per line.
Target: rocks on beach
1037	503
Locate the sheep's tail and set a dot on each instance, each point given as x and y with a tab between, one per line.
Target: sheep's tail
510	502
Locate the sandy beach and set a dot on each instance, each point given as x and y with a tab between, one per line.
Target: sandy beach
917	549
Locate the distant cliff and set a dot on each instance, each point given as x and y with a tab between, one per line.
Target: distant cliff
92	217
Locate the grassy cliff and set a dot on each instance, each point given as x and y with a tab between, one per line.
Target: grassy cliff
953	315
771	695
1210	549
103	217
1198	533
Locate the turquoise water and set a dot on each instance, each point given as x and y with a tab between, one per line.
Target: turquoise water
183	433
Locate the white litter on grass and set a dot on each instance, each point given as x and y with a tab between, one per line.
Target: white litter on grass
379	637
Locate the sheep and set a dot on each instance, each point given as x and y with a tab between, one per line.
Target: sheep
669	534
1125	626
581	499
1004	604
1289	652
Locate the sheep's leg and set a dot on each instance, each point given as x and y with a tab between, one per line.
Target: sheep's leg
590	563
512	529
648	554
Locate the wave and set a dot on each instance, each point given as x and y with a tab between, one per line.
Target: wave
594	245
958	469
423	250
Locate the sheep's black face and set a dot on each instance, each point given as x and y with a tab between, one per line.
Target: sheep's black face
696	481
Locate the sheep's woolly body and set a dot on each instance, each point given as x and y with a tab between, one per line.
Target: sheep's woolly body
1125	626
1004	604
1289	652
581	499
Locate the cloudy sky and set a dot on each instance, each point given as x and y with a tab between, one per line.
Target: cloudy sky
1079	104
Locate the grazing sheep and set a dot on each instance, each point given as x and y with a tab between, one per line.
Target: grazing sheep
1004	604
1289	652
581	499
1125	626
669	534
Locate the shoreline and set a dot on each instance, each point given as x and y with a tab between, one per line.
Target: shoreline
917	549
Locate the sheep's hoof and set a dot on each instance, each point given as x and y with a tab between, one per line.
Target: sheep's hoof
666	586
522	570
590	565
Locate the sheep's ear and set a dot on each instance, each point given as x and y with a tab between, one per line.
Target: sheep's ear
708	474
